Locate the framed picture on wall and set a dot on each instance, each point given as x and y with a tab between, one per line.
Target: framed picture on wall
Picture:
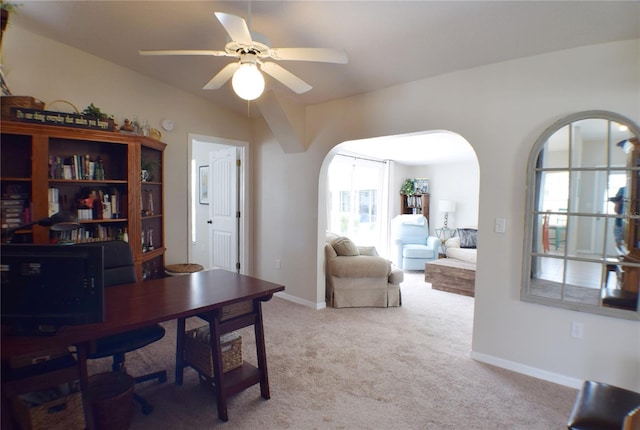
421	186
204	185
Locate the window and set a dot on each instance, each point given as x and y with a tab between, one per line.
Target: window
582	247
367	206
358	184
345	201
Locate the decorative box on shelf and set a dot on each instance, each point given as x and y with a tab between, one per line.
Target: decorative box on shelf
197	350
21	102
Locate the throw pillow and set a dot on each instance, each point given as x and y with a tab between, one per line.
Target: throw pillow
468	237
345	247
330	237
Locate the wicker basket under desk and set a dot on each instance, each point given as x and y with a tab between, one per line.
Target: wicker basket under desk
197	351
63	413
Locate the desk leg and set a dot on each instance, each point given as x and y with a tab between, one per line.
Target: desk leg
180	351
261	352
218	374
83	349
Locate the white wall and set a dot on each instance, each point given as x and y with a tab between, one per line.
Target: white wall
456	181
500	109
459	182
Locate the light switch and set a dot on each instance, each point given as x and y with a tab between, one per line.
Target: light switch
501	225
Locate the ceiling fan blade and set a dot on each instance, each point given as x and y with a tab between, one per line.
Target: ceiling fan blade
186	52
223	76
287	78
236	26
325	55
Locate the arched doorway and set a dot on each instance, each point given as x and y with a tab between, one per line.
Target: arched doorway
444	157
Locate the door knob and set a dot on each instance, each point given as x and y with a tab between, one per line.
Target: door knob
209	222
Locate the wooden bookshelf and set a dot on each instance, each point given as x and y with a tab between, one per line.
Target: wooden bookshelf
30	167
415	204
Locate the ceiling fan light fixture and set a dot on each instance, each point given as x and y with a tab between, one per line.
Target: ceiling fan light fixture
248	82
254	49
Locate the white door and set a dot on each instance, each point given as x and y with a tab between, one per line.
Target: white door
223	210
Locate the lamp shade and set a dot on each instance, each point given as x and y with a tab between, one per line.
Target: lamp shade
61	221
447	205
248	82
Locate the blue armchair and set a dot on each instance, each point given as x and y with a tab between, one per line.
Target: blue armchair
414	246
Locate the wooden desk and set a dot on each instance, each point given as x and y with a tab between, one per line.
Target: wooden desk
145	303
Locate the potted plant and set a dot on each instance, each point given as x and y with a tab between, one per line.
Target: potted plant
95	111
149	166
407	187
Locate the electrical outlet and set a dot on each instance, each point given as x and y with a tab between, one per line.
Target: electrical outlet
577	330
278	264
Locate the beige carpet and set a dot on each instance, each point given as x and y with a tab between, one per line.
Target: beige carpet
396	368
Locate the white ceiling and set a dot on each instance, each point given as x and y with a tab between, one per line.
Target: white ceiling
436	147
388	42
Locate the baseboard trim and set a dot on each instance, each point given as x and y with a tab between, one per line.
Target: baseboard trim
298	300
528	370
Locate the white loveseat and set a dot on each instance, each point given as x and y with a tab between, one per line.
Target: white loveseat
470	255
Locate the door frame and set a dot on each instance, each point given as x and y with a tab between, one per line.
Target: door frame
243	190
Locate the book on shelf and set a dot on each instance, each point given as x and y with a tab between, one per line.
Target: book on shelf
14	207
89	233
54	201
76	166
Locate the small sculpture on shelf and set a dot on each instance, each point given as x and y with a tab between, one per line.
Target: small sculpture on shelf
127	126
149	199
150	208
98	173
150	246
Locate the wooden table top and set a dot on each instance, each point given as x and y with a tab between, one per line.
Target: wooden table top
141	304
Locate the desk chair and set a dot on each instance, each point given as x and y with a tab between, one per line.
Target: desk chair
605	407
119	269
558	223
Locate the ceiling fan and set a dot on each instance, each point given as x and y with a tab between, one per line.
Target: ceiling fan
247	80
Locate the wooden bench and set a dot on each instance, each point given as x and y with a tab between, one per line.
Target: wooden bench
451	275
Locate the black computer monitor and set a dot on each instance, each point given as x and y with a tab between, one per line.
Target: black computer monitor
45	287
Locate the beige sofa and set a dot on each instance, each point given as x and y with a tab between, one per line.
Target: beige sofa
356	276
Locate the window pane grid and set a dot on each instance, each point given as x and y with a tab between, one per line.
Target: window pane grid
580	210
